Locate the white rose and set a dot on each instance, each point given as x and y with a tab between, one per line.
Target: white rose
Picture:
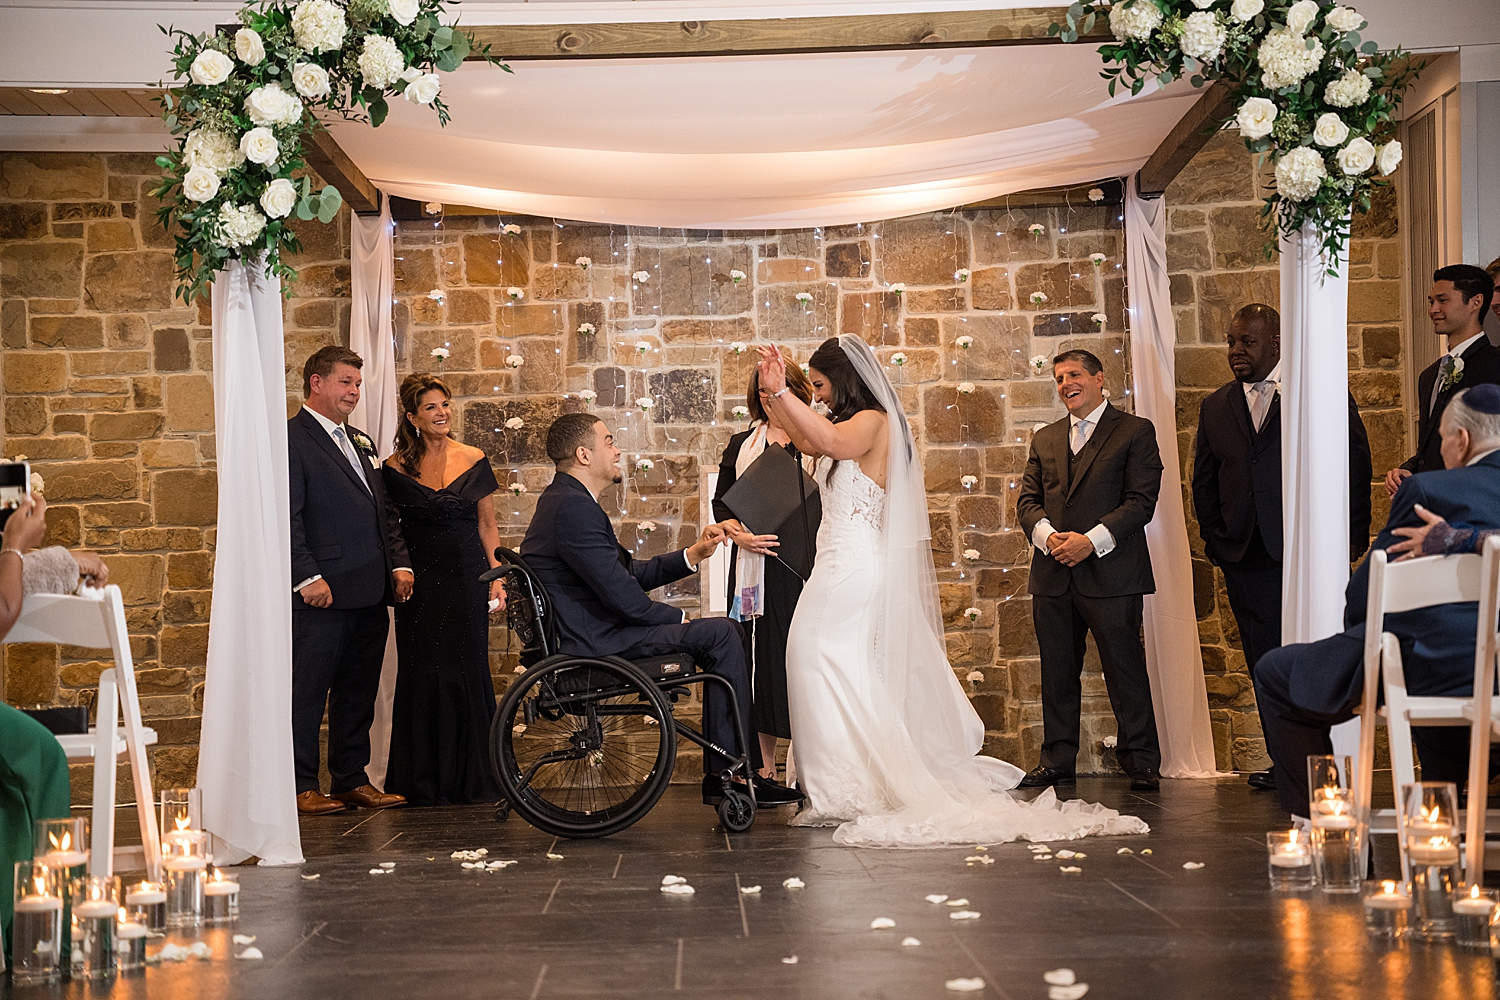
1203	4
1299	173
1388	158
1202	36
1330	130
645	402
1348	90
1244	10
404	11
200	184
260	146
1344	19
380	62
248	46
270	105
1135	21
311	80
1301	15
424	89
1285	60
211	68
217	151
279	198
1357	157
318	26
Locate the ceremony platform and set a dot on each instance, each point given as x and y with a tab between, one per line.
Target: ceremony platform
594	922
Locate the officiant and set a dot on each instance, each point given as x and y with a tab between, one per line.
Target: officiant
763	589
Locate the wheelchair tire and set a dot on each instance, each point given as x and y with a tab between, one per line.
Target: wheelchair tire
572	750
736	811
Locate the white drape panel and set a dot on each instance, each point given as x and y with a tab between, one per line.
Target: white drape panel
245	751
372	280
1173	659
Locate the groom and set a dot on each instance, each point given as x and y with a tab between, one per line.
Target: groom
600	594
1089	490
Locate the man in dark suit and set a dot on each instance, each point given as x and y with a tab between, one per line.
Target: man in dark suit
1305	688
600	594
1089	490
348	563
1460	298
1237	484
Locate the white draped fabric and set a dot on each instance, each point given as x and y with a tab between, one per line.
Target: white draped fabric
245	751
1173	658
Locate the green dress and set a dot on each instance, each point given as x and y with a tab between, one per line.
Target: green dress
33	786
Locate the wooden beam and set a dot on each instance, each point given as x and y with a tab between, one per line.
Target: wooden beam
777	36
334	166
1188	136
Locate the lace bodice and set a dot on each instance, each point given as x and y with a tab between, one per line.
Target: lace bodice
851	496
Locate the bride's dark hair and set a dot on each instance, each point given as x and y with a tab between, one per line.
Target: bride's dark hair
848	393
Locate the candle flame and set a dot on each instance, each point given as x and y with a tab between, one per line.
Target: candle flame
1474	891
61	845
122	916
41	884
183	822
1389	888
1430	815
1292	841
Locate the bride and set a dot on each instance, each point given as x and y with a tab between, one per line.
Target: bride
887	743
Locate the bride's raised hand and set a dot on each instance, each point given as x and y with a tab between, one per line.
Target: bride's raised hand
772	368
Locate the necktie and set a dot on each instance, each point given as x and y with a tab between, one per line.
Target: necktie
1262	403
1080	435
350	454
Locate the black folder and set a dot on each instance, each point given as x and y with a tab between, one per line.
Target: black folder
767	501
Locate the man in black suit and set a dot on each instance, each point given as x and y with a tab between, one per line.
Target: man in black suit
600	594
1306	688
1460	298
1089	490
1237	484
348	563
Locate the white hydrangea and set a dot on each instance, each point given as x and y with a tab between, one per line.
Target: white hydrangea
1255	117
1285	60
1202	36
270	105
311	80
1299	173
212	149
1388	158
1244	10
248	47
1330	130
380	62
279	198
1344	19
210	68
1357	157
405	11
1301	15
424	89
239	225
260	146
200	184
1137	20
1348	90
318	26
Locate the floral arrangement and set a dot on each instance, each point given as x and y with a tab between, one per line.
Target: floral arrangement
244	105
1312	95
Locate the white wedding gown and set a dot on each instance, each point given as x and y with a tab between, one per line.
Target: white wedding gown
896	769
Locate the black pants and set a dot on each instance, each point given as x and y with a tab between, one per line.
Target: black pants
717	645
336	657
1062	624
1254	588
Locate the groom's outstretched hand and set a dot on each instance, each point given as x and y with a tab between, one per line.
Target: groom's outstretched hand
712	537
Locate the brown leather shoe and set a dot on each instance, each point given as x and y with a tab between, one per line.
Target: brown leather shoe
318	804
368	797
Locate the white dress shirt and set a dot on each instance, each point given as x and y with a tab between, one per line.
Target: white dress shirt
1258	396
1099	535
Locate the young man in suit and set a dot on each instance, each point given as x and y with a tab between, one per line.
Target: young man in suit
348	563
1460	298
1237	484
1089	490
1306	688
600	595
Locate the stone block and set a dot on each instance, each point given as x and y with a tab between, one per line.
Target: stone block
779	270
1001	237
417	270
1188	252
683	396
1065	284
138	576
51	176
188	571
1001	348
1078	324
1204	367
923	249
315	313
185	496
13	325
31	670
1388	444
1015	633
1005	583
184	645
1374	302
190	403
989	288
129	282
25	415
847	260
73	332
561	281
1381	346
980	512
932	300
535	320
484	428
41	270
126	331
145	392
113	235
874	317
322	281
186	606
604	245
691	281
708	331
320	242
124	426
1239	237
1007	548
671	475
1376	389
952	417
27	371
1223	294
467	307
611	387
920	331
922	364
1222	171
170	350
1381	221
23	221
782	316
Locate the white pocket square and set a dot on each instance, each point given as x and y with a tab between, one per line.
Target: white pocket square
374	462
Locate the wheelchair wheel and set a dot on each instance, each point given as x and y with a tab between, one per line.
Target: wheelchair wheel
572	748
736	811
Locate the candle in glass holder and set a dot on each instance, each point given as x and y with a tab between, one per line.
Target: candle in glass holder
1337	841
1289	860
130	942
1386	911
1471	916
146	902
96	902
221	899
185	858
37	930
1434	875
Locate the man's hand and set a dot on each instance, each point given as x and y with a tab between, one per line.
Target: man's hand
317	594
91	568
1069	547
745	539
1412	547
712	537
403	584
1393	480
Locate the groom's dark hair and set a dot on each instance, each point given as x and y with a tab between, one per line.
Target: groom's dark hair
322	362
1469	282
567	434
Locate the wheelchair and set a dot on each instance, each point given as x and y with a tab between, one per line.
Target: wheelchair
584	746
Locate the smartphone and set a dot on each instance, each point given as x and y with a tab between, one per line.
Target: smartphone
15	486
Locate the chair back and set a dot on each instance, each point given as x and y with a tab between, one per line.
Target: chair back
1486	655
528	608
1408	585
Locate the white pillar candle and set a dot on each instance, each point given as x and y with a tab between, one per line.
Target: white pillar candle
64	859
221	888
38	904
185	864
95	908
1291	856
1470	907
1438	852
145	897
1334	821
130	929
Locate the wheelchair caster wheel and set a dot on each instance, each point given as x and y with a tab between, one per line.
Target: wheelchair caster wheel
736	811
502	812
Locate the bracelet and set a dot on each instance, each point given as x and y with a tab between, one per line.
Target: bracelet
782	392
15	552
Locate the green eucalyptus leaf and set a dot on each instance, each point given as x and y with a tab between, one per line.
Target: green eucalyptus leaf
442	37
1369	48
378	111
1088	22
1052	28
461	44
449	60
305	209
330	196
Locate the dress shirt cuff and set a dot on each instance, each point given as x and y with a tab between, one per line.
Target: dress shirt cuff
1041	533
1104	542
312	579
691	569
684	618
403	569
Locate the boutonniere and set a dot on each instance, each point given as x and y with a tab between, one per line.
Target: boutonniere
1452	373
362	441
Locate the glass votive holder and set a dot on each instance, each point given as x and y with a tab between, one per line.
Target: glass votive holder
37	930
185	860
96	906
221	898
181	809
62	844
1387	907
1338	840
130	942
146	903
1472	911
1289	861
1429	818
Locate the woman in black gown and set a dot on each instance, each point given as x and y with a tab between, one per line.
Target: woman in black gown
440	721
766	627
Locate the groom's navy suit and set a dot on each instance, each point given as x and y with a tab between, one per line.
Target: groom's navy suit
1305	688
602	608
345	530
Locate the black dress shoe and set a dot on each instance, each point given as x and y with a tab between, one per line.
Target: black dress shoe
1042	776
772	793
1145	779
1262	781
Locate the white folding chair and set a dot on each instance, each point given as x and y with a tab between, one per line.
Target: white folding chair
1483	712
97	620
1393	588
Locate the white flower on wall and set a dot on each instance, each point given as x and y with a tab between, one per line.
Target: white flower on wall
642	346
587	329
517	488
898	287
973	615
515	294
645	403
514	361
433	208
803	297
961	275
898	359
647	527
644	465
1096	194
1036	229
975	677
642	277
736	275
1097	259
965	342
740	412
969	482
1099	320
511	229
967	388
514	424
441	353
584	262
1038	363
737	347
1038	298
971	555
588	396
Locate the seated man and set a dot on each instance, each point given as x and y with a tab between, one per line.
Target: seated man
599	594
1306	688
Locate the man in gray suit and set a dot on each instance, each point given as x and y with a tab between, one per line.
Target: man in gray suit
1089	490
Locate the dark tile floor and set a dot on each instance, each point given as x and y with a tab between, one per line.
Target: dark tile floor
594	922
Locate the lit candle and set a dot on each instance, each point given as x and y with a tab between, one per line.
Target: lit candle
1474	905
62	854
146	894
38	904
1333	814
1388	898
1435	851
217	888
96	908
1292	854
